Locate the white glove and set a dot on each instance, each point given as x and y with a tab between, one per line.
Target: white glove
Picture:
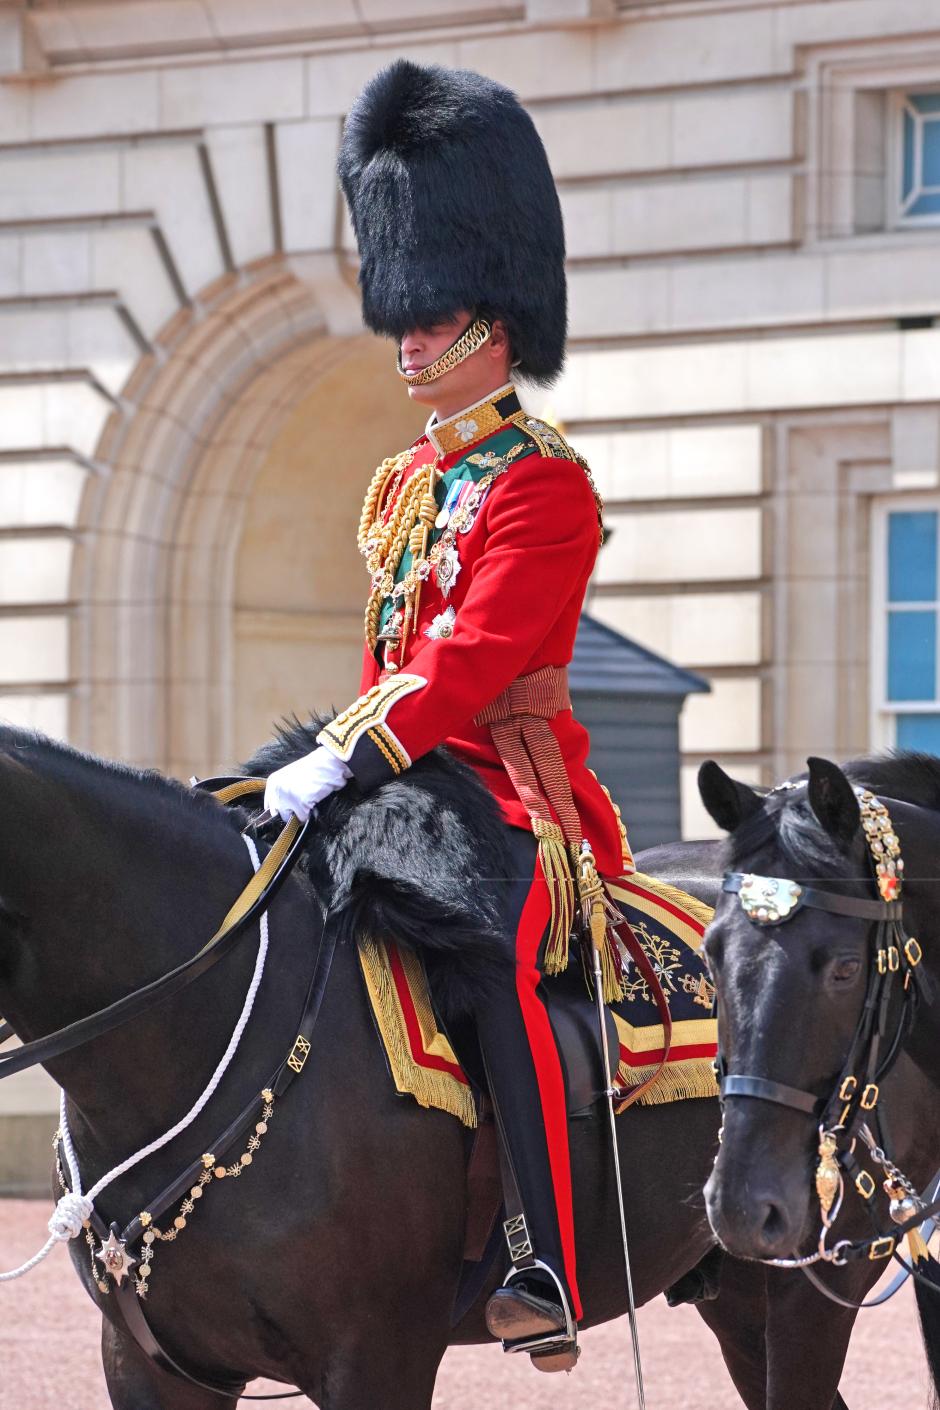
300	786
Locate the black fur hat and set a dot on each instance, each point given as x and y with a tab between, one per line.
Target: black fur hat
454	206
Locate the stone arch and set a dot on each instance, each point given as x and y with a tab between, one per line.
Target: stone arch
161	524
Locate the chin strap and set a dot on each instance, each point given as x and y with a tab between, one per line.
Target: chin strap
469	342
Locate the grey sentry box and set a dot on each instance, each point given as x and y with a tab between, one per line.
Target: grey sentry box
629	700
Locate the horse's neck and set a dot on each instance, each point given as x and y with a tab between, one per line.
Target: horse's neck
133	1083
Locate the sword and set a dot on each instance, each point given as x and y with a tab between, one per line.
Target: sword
591	890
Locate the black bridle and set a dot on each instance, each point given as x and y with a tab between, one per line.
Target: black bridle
893	953
894	958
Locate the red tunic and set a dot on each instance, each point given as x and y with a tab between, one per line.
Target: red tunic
524	567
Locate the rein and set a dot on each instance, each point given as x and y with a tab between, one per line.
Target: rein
894	959
256	897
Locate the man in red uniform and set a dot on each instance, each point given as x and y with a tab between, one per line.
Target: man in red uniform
480	539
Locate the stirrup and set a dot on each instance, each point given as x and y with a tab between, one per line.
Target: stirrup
550	1344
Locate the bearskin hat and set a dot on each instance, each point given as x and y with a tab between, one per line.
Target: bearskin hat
454	207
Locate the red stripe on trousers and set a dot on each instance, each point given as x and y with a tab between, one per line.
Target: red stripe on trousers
551	1083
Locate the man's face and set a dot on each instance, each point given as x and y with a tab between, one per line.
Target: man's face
422	346
469	380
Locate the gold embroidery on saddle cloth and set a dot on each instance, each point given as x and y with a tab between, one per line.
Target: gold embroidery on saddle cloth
433	1086
681	1078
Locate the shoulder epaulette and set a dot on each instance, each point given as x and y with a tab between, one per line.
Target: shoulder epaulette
552	444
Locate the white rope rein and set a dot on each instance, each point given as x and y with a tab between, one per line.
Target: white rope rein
75	1207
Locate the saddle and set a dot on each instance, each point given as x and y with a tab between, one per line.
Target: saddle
669	925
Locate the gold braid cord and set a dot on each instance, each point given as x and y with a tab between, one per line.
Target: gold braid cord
383	545
466	345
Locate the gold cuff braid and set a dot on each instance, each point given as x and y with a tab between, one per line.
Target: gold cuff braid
367	716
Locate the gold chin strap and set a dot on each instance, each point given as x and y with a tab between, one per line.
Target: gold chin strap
469	342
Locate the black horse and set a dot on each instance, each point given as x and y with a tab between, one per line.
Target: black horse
790	997
332	1264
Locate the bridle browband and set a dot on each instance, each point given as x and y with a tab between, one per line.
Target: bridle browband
772	901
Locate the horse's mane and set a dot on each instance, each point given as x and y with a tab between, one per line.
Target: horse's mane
787	821
422	858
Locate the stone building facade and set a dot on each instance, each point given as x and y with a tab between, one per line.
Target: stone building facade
189	408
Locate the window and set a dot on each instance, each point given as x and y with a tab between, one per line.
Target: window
916	175
906	626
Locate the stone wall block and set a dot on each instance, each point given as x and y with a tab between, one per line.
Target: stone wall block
169	180
728	718
37	184
239	162
33	650
616	301
748	291
35	570
94	105
40	492
617	137
704	48
241	90
682	545
306	157
915	447
56	262
718	129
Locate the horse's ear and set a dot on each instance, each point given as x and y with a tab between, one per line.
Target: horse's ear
727	801
832	799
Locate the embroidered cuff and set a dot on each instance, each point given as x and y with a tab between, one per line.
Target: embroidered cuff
360	736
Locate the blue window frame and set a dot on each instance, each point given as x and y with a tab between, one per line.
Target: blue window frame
919	166
911	680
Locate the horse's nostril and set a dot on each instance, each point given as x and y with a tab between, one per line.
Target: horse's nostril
775	1227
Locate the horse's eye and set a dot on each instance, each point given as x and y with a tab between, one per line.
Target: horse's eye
844	971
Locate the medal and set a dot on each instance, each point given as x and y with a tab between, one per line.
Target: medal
447	567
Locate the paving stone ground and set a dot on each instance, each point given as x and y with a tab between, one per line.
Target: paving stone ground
49	1352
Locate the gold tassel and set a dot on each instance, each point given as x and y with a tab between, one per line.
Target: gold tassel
560	882
594	911
916	1246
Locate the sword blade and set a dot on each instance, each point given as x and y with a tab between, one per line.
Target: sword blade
612	1119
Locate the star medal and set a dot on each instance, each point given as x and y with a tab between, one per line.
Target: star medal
117	1261
442	625
447	567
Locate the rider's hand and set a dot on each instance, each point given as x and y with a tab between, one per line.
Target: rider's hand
300	786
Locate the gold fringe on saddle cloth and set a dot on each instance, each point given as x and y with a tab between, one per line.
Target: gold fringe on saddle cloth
518	720
668	923
422	1061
